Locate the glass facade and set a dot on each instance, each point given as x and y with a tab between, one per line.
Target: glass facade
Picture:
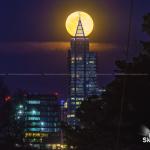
42	115
82	67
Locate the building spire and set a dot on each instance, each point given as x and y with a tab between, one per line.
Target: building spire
79	30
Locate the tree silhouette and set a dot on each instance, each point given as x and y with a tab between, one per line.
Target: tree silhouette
11	128
113	121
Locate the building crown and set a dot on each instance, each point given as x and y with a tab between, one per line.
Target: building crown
80	30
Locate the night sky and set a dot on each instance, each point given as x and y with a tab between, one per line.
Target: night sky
33	39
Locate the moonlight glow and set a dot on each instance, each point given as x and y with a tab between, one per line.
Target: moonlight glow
72	22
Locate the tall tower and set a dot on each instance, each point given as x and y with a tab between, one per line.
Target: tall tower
82	67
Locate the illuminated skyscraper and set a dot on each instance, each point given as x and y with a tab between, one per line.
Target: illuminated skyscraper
82	67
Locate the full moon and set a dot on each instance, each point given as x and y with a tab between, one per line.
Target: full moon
72	23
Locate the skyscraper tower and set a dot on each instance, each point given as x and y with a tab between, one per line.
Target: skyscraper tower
82	67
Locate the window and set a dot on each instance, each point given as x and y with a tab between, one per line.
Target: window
33	112
38	134
73	103
35	123
34	129
65	105
71	115
72	58
33	118
91	62
78	103
20	112
20	106
34	102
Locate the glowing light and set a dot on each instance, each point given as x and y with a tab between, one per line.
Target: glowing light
42	129
18	117
37	134
65	105
20	112
56	93
20	106
42	123
62	102
71	115
7	98
72	23
33	112
57	146
72	58
34	101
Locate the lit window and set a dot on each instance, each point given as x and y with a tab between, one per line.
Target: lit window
78	103
18	117
35	123
65	105
80	58
34	102
91	62
34	112
34	129
73	89
42	123
72	58
71	115
20	112
20	106
33	118
42	129
77	76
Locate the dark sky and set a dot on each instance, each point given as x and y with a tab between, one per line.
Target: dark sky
26	25
43	20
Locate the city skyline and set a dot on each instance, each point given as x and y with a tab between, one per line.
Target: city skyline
74	75
18	56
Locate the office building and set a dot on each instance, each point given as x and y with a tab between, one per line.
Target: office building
82	68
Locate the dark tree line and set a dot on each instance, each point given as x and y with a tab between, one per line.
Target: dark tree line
11	129
113	121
